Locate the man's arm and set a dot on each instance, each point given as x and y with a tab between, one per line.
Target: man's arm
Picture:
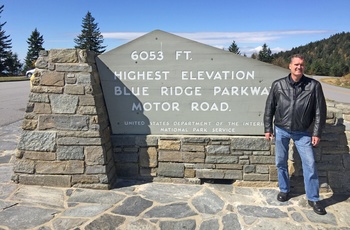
320	112
270	108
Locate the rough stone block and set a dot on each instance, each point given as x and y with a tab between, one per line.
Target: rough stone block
95	169
218	149
52	78
44	156
94	155
249	169
39	98
63	56
86	100
233	174
210	174
171	156
148	157
250	143
60	167
89	179
221	159
29	124
37	141
192	148
47	89
72	67
169	145
229	166
262	169
193	157
255	177
190	173
42	108
64	103
171	169
84	78
63	122
74	89
70	153
273	173
79	141
203	140
262	160
87	110
46	180
24	166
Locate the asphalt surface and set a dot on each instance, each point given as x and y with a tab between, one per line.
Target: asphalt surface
13	100
334	93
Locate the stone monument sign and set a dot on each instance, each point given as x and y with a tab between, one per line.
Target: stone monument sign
164	84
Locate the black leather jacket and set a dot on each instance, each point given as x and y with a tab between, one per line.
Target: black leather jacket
296	105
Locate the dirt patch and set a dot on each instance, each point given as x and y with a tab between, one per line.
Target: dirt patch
341	81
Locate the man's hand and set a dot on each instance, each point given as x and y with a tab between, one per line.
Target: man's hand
314	140
268	136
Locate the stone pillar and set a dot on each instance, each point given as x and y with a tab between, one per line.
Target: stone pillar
66	136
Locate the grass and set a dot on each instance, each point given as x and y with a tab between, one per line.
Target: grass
14	78
340	81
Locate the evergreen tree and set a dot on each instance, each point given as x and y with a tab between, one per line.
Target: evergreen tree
35	44
13	64
234	48
265	54
90	38
5	47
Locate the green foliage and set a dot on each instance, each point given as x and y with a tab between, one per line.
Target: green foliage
5	47
13	64
234	48
329	57
35	44
90	38
265	54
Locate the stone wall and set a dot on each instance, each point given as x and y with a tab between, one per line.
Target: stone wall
66	140
246	160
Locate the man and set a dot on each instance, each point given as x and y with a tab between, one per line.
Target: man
297	105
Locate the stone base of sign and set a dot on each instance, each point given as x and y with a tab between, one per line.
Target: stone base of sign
66	138
66	141
244	160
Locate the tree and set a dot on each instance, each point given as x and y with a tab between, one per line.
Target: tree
13	64
35	44
5	47
90	38
254	56
234	48
265	54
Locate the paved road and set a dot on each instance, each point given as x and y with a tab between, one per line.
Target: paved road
334	93
13	100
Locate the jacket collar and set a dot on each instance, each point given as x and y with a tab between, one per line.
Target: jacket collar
293	83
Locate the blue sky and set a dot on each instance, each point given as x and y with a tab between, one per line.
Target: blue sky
281	24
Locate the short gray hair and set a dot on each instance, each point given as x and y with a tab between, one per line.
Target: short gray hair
296	56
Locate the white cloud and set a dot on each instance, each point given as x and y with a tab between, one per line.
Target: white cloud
224	39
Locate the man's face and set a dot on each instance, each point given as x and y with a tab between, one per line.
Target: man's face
297	67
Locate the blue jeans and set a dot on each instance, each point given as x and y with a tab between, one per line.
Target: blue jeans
302	141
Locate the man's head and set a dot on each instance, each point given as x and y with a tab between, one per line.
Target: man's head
296	67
